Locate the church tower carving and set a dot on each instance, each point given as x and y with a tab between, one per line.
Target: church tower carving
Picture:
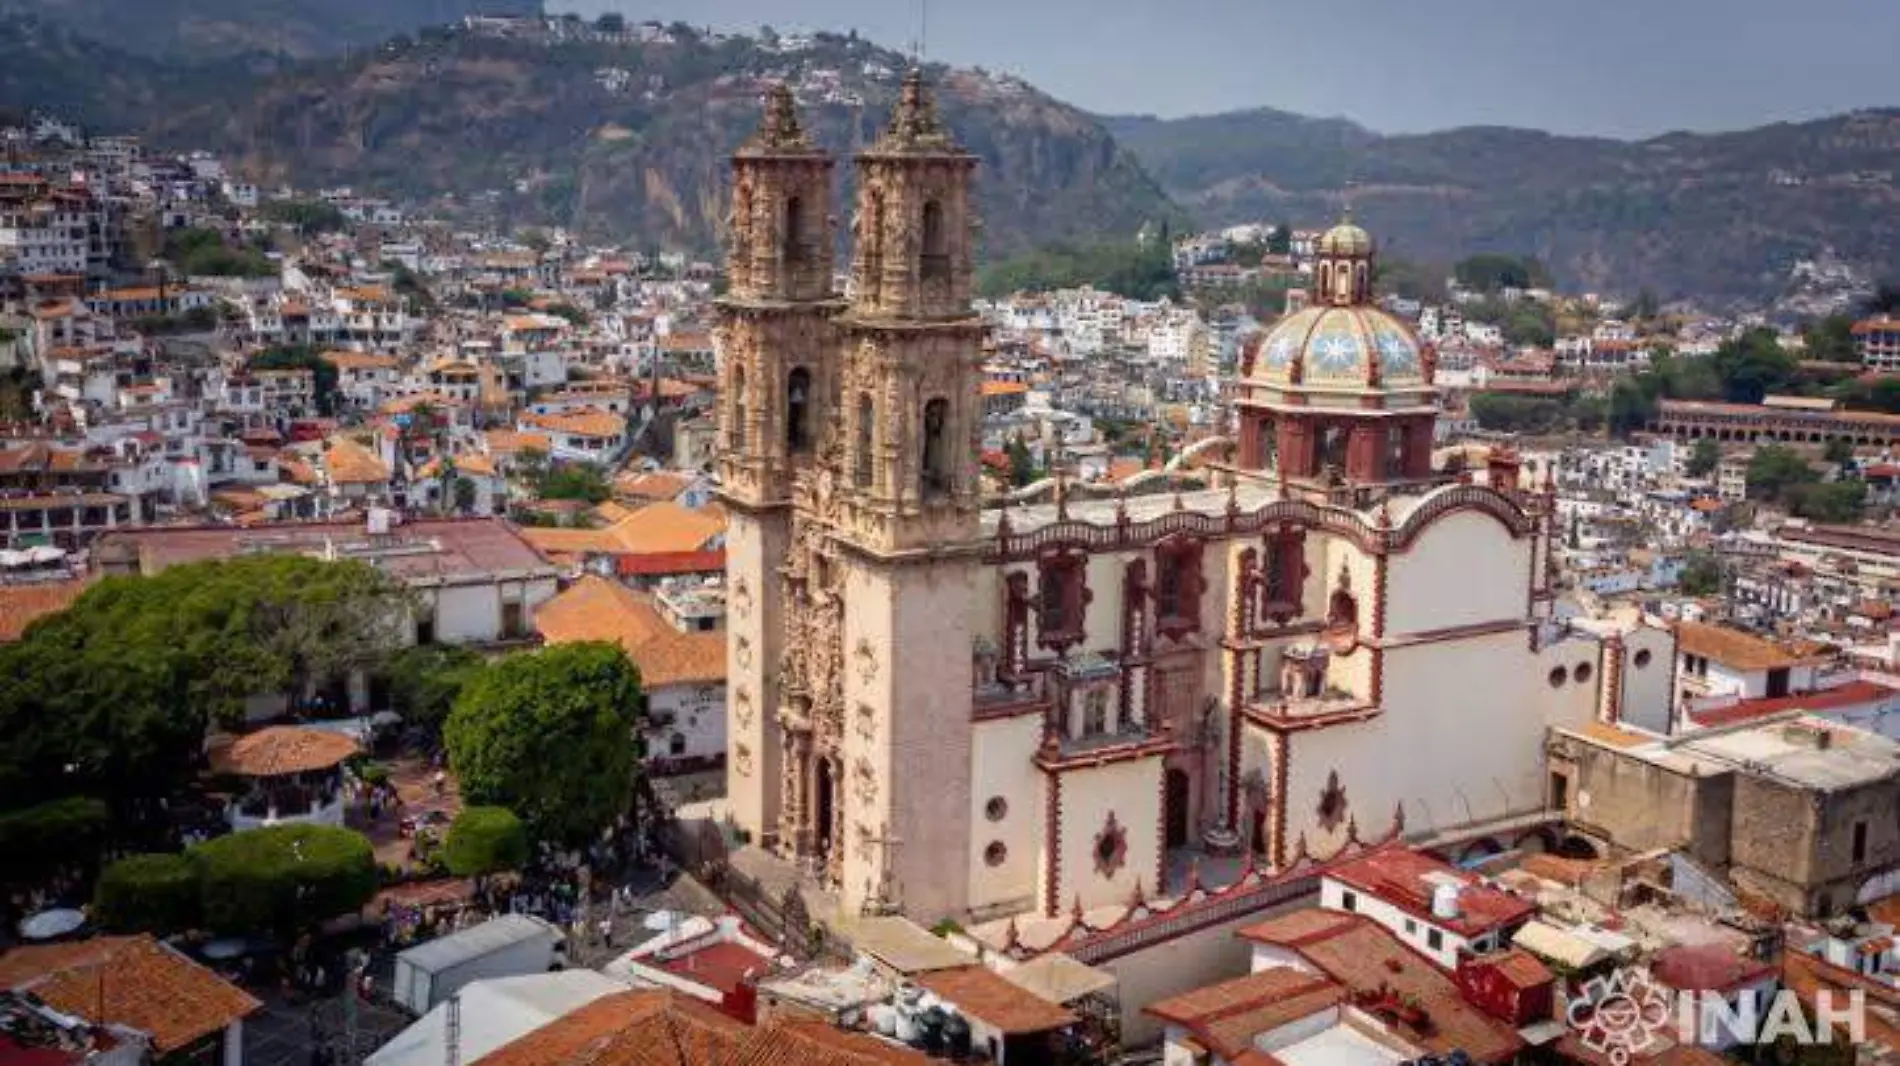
777	377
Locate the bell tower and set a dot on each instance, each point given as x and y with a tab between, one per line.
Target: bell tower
777	374
912	346
903	514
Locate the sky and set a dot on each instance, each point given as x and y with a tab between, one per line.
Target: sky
1621	68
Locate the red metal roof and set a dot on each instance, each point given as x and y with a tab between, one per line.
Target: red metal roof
1848	695
1407	878
654	564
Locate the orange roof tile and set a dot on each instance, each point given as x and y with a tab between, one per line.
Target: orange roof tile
133	981
800	1042
1226	1017
585	422
22	605
983	994
349	463
1732	647
508	441
648	1027
360	361
595	608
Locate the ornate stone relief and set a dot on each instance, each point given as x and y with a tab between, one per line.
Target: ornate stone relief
742	760
1111	847
742	653
742	710
866	657
1332	803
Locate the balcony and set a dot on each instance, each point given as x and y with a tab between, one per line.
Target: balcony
1330	707
1129	740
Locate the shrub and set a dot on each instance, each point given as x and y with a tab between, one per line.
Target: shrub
148	893
485	840
284	877
42	837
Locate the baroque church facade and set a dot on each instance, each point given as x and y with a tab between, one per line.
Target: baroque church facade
951	708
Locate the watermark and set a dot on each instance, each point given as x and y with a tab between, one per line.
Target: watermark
1626	1015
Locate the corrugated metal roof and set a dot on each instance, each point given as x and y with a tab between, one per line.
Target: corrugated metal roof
476	941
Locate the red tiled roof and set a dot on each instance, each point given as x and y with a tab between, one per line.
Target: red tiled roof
985	995
1706	968
1851	694
722	965
665	563
1226	1017
642	1028
22	605
815	1043
133	981
1407	878
1368	960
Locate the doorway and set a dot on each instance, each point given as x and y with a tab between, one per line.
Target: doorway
1179	791
821	830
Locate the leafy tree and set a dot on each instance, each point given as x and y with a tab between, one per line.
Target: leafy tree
111	697
552	735
1839	451
1703	458
1884	301
1831	339
1507	413
1489	273
1774	469
1753	366
485	840
49	835
425	680
1410	280
1646	306
155	893
1834	501
1022	465
283	878
198	252
1280	240
307	217
1131	269
1701	574
575	481
464	495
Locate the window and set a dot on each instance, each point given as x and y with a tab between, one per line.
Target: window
794	231
1062	598
1095	712
1055	600
996	854
1434	939
735	433
1860	841
1641	658
1168	586
676	745
1411	927
936	458
866	458
512	618
1558	675
1349	901
425	630
996	809
798	411
1582	673
936	253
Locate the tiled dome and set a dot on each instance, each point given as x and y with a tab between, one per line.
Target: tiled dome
1343	347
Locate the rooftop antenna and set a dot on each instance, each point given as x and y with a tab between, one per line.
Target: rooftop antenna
920	45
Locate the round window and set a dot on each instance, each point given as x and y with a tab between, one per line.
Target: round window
996	853
1558	676
1581	673
996	809
1641	658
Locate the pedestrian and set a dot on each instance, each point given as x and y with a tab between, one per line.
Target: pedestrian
607	931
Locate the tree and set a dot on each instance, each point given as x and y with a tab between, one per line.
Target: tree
1022	465
283	878
552	735
307	217
47	836
112	696
1701	574
1774	469
1884	301
1646	306
575	481
1839	451
1280	240
485	840
1753	366
1703	458
1834	501
1831	339
154	893
425	679
1132	269
1489	273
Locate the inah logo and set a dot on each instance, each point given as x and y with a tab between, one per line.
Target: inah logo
1627	1015
1620	1014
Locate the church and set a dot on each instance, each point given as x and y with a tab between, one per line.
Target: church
957	707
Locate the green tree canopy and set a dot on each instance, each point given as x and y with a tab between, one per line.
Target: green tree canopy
552	735
1834	501
1831	339
49	835
425	680
574	481
112	696
485	840
1775	469
1753	366
1137	271
1703	458
283	878
306	216
1701	574
155	893
1022	465
1489	273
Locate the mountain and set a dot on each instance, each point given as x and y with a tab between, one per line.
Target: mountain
202	29
629	140
1685	214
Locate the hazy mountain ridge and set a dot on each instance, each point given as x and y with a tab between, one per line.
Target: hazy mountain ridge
1723	214
202	29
